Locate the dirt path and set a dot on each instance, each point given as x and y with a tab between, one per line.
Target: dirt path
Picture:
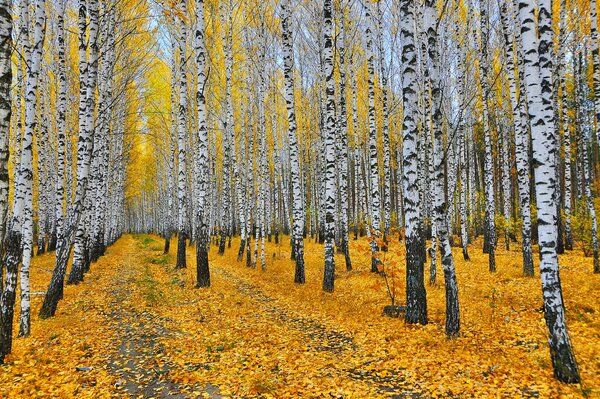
151	358
136	328
320	337
147	353
140	360
163	329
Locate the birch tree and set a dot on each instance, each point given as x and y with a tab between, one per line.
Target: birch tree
439	178
330	134
342	141
375	216
385	128
543	137
5	113
416	300
295	176
227	26
88	74
26	165
521	140
202	268
490	204
5	117
181	142
596	62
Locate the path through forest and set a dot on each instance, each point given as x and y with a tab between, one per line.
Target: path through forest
140	331
136	327
322	338
139	360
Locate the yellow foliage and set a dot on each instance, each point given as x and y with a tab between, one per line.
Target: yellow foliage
256	334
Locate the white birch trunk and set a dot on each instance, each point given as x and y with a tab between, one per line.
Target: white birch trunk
490	203
181	143
416	303
297	202
5	113
374	195
330	134
521	140
542	131
202	267
26	166
439	199
88	76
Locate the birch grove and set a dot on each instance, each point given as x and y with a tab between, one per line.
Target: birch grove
395	136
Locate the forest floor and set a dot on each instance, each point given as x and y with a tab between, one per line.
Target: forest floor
136	327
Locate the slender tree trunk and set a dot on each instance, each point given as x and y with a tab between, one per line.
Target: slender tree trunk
13	238
385	128
41	134
227	26
26	167
462	153
430	186
181	144
506	183
343	143
373	162
241	179
298	203
596	60
590	197
5	116
88	74
416	299
490	206
439	198
521	141
202	245
567	171
542	131
170	143
330	133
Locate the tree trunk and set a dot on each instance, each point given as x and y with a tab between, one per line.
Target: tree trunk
439	198
521	141
88	72
5	116
543	138
26	166
490	206
416	299
298	203
330	134
374	196
202	245
181	144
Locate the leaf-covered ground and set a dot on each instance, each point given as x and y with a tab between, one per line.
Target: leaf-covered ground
138	328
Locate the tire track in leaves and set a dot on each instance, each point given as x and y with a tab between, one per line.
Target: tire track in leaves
321	337
140	360
390	383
